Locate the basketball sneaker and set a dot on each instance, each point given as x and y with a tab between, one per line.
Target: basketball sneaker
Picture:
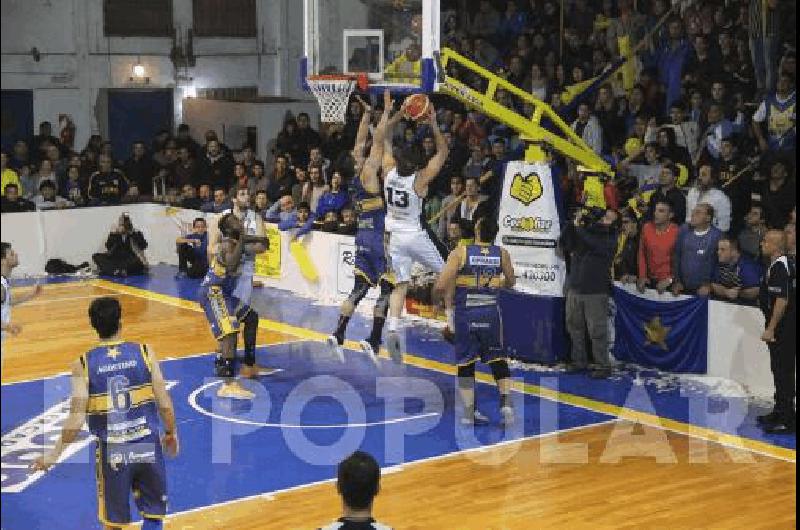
234	390
371	352
477	418
394	346
507	414
334	347
254	372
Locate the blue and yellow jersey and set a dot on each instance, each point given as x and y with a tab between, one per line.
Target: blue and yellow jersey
122	406
370	207
480	276
218	273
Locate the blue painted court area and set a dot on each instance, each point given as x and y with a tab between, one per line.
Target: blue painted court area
728	414
309	414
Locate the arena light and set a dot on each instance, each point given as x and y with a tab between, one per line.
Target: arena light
138	70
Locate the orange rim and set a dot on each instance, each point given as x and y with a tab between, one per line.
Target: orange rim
362	81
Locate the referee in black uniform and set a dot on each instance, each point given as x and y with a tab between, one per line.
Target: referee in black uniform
777	301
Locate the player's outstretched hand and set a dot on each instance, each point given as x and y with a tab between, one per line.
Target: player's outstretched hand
170	444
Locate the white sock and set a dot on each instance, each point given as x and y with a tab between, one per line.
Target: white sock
393	323
451	323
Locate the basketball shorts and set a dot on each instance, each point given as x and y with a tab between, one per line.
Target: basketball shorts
370	259
122	469
243	289
479	334
405	248
219	305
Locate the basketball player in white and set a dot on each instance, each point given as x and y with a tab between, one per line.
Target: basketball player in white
9	261
409	239
252	225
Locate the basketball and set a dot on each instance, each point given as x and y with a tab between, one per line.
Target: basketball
417	106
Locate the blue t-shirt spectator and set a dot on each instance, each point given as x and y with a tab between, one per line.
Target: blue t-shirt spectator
200	251
332	201
694	261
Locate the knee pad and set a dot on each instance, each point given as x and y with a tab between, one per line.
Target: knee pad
500	370
359	291
224	367
466	370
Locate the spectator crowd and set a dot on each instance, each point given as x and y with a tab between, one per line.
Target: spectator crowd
702	144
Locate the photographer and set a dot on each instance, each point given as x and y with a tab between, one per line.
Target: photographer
193	251
125	247
591	242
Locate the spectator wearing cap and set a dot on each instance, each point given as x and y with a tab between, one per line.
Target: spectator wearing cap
666	191
737	277
774	122
694	260
9	176
12	201
704	191
47	198
656	249
358	483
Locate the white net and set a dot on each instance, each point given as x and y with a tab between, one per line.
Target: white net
333	96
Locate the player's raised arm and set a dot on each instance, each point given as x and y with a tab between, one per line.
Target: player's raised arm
436	163
369	173
164	403
389	162
74	422
363	131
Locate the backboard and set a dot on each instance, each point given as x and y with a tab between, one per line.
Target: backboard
393	41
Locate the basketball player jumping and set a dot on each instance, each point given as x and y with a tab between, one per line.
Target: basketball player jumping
410	239
370	259
252	225
9	261
216	296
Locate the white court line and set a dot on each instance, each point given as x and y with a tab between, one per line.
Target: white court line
66	298
270	495
163	359
196	406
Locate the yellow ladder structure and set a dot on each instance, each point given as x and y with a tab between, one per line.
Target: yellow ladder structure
529	128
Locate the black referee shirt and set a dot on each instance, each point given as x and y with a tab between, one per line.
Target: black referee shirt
778	282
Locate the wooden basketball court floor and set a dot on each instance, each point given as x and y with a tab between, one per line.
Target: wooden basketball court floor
577	462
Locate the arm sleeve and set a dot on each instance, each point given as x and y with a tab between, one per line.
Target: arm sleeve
779	281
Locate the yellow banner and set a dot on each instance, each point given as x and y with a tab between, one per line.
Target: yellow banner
268	264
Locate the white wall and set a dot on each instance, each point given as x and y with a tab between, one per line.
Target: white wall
734	349
77	60
229	118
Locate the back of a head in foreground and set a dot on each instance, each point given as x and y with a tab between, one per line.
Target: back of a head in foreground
358	480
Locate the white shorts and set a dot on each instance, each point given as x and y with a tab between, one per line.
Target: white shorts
405	248
243	290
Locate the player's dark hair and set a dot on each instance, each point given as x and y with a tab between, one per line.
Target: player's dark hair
4	248
487	229
358	480
409	160
105	314
225	228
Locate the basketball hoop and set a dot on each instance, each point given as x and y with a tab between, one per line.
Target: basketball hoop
333	94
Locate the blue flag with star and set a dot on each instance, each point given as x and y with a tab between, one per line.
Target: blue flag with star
670	335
